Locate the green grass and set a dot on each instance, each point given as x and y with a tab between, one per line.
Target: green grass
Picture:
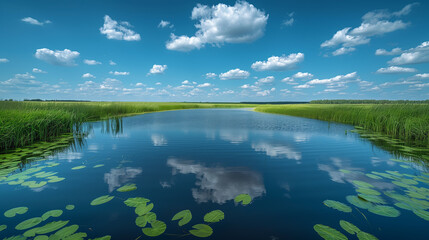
408	122
24	123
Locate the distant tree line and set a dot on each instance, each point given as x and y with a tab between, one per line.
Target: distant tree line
348	101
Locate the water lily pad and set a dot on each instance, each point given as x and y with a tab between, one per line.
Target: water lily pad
401	184
349	227
245	199
345	171
127	188
41	237
185	216
19	237
56	179
201	230
67	231
409	181
70	207
373	176
337	206
142	209
355	200
101	200
157	228
214	216
37	185
50	227
99	165
2	227
107	237
404	206
422	213
386	211
17	182
372	198
329	233
368	191
405	166
78	167
29	223
52	213
395	173
365	236
76	236
362	184
149	217
18	210
134	202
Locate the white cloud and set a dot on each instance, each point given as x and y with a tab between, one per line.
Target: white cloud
290	20
384	52
420	54
186	82
140	84
303	86
25	79
221	24
24	76
112	63
205	85
289	80
88	75
338	78
265	92
234	74
343	50
33	21
374	23
265	80
91	62
4	60
65	57
119	73
211	75
282	63
158	83
422	75
157	69
164	24
36	70
119	31
302	75
395	69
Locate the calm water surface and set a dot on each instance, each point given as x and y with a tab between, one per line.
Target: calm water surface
201	160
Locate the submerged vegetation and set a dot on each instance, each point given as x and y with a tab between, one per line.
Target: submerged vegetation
24	123
408	122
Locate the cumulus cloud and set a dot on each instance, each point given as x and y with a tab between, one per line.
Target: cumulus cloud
422	75
266	92
290	20
157	69
33	21
24	79
265	80
211	75
281	63
91	62
119	31
112	63
337	82
36	70
4	60
374	23
234	74
119	73
302	75
384	52
88	75
419	54
205	85
164	24
395	69
65	57
221	24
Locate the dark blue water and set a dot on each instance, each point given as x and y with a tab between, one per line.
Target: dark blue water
201	160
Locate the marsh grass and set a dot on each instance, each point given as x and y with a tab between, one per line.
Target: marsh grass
409	122
24	123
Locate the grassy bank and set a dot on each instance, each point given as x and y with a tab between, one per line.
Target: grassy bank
23	123
409	122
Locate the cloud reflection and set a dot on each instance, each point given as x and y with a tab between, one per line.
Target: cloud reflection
158	140
276	150
118	176
219	184
233	136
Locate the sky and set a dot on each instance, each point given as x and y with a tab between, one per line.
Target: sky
206	50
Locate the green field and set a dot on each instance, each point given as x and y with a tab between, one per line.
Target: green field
23	123
409	122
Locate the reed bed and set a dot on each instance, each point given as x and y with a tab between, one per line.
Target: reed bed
409	122
23	123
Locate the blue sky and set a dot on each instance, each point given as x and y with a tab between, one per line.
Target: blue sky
214	50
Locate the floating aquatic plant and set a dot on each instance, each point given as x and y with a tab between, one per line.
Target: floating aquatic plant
157	228
349	227
2	227
214	216
386	211
98	165
142	209
365	236
149	217
337	206
127	188
201	230
18	210
329	233
52	213
70	207
245	199
101	200
185	216
134	202
78	167
29	223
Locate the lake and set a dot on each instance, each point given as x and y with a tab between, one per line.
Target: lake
201	160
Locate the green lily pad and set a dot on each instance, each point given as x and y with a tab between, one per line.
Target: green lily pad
17	182
158	228
385	211
107	237
329	233
245	199
134	202
101	200
185	216
127	188
37	185
18	210
56	179
337	206
373	176
52	213
345	171
362	184
76	236
401	184
50	227
201	230
422	213
41	237
365	236
409	181
67	231
70	207
2	227
149	217
404	206
372	198
395	173
214	216
349	227
405	166
98	165
78	167
142	209
29	223
368	191
355	200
